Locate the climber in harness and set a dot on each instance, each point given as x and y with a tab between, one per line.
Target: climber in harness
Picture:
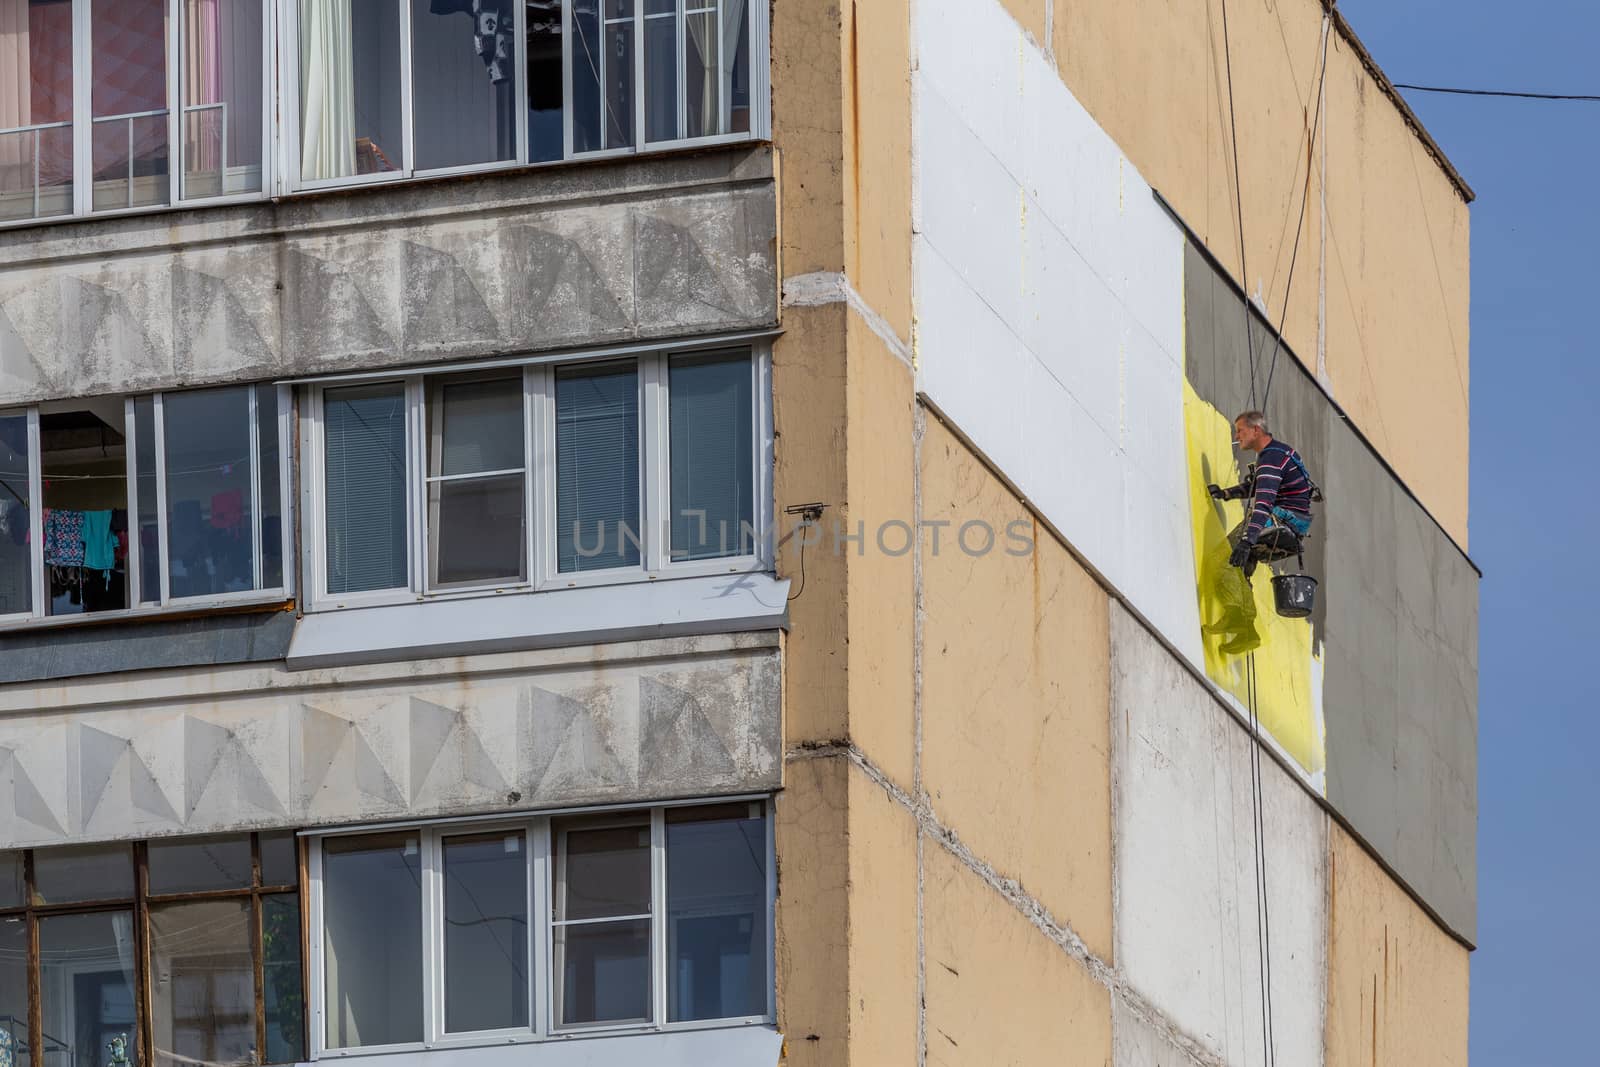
1282	491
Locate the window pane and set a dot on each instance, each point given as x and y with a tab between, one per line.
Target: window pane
129	99
366	487
14	1005
605	973
617	73
486	932
660	73
209	519
271	487
476	531
588	60
148	513
83	460
11	880
713	468
282	978
597	467
349	88
714	36
601	871
82	872
464	80
716	912
223	49
86	968
280	859
192	866
477	425
202	984
372	931
16	564
36	152
545	93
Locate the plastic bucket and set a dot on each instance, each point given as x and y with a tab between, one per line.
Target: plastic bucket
1295	594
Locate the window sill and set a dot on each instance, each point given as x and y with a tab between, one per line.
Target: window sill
235	604
742	1044
515	622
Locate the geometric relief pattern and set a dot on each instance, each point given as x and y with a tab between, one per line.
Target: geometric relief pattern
625	731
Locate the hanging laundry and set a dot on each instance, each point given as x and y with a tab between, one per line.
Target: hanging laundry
63	538
227	510
99	543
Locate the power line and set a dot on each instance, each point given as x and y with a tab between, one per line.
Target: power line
1496	92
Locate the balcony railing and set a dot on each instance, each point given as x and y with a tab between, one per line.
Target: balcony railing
37	131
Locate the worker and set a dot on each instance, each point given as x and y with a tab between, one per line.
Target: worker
1279	484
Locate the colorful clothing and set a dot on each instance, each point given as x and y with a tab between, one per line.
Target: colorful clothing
99	543
63	538
1280	481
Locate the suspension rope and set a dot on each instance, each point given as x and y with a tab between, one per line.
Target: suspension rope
1305	201
1258	819
1238	206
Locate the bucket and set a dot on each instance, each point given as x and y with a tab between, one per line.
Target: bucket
1295	594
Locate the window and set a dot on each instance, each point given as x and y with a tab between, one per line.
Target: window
192	512
89	122
158	102
203	967
538	476
529	928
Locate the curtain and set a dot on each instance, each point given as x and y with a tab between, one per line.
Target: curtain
16	74
702	33
327	90
203	83
733	12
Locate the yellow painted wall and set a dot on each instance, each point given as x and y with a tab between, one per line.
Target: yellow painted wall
1397	984
1240	627
998	992
1153	74
1016	696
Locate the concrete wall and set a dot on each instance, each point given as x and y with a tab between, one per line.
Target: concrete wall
1396	625
162	753
517	262
1383	260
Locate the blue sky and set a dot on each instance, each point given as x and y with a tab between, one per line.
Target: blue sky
1535	390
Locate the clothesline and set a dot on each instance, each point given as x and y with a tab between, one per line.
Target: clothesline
222	468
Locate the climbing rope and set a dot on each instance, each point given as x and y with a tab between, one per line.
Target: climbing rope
1238	207
1263	911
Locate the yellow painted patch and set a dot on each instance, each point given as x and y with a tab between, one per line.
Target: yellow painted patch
1288	668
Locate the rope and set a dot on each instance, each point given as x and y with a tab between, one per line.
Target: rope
1238	206
1305	200
1264	910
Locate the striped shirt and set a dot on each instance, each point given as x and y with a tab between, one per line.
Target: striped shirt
1280	481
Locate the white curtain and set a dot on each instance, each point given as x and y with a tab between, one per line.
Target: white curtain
16	95
702	31
327	90
732	26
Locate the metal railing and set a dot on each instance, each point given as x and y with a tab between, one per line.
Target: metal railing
222	144
130	118
38	136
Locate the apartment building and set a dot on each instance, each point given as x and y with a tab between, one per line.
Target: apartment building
613	531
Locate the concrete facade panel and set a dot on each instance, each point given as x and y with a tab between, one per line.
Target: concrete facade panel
262	748
481	266
998	990
1015	704
1397	983
150	644
1188	938
884	925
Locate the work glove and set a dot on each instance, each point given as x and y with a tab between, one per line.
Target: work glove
1217	492
1240	554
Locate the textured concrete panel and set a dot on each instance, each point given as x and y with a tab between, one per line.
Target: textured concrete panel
1016	696
150	644
434	737
1396	620
1397	983
998	990
374	277
1188	938
883	924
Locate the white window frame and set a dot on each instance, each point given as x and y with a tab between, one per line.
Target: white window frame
538	375
541	888
82	122
165	603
